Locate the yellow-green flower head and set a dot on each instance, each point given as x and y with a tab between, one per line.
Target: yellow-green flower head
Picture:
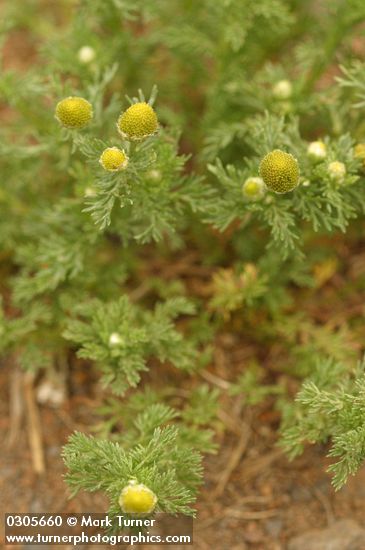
113	159
253	188
138	122
136	498
337	170
317	150
74	112
283	89
280	171
359	151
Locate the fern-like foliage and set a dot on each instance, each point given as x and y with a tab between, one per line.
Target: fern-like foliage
330	406
172	473
120	337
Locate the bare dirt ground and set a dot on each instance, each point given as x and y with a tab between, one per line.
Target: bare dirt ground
253	497
262	504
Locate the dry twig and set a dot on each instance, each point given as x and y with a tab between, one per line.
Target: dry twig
233	461
34	426
216	380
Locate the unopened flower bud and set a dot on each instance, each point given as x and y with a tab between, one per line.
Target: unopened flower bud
154	175
86	54
317	150
253	188
115	339
337	171
90	191
283	89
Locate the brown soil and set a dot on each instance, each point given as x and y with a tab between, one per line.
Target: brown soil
253	497
266	501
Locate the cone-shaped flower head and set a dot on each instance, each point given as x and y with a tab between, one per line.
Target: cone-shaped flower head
113	159
253	189
136	498
280	171
74	112
359	153
138	122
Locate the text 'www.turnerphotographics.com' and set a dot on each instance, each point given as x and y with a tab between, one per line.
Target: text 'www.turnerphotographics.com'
94	529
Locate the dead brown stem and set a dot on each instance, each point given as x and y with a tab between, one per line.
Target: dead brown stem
34	426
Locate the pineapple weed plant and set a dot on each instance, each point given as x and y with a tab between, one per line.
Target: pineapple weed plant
95	187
